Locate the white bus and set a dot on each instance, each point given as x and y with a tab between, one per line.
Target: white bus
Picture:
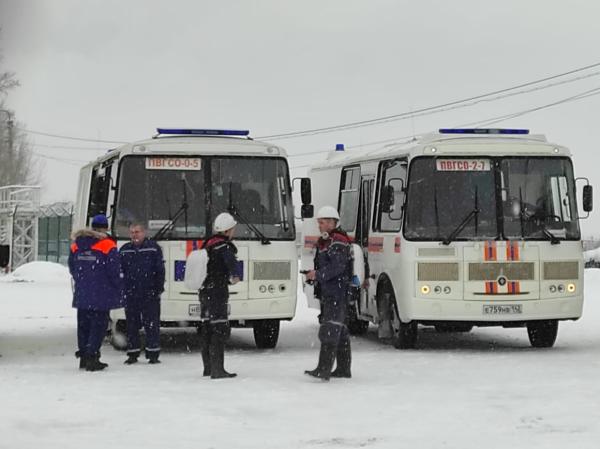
177	183
460	228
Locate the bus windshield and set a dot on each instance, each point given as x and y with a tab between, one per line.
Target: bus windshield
153	190
442	194
258	189
537	198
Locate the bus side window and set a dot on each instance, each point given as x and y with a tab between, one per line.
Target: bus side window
348	201
392	176
561	203
99	190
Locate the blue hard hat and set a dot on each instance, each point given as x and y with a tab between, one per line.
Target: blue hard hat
100	221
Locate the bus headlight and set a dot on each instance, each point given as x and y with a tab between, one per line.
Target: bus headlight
437	289
425	289
571	288
553	289
262	289
561	288
271	288
447	290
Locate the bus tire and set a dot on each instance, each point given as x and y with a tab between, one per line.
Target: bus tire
542	333
356	326
448	328
118	335
266	333
404	334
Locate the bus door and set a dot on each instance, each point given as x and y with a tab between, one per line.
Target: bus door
387	224
363	233
102	190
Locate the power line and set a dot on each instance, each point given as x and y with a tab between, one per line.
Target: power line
490	121
69	147
580	96
409	114
58	136
74	162
404	115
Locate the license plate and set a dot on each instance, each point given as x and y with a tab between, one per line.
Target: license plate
507	309
194	309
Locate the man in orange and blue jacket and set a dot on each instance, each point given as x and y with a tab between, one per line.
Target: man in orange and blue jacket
95	266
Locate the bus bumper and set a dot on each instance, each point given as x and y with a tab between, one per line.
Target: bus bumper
476	311
182	312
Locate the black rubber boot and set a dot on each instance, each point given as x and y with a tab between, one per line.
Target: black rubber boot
152	357
93	363
326	359
344	360
132	357
82	359
217	358
205	348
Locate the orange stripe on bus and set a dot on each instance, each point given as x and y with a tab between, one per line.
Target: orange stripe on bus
490	251
376	245
310	241
512	251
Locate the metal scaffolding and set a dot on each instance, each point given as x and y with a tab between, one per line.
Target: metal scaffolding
19	209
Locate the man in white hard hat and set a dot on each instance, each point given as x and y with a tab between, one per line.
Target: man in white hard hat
332	274
214	296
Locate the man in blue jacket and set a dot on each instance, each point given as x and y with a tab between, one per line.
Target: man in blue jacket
144	278
96	270
332	273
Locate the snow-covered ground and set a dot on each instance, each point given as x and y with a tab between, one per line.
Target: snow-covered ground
487	389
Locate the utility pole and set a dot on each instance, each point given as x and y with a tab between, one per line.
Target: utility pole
9	127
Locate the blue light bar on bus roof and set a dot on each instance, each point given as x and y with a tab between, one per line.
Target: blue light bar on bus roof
204	132
482	131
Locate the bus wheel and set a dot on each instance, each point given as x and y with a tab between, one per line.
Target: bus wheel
404	334
118	335
447	328
266	333
542	334
356	326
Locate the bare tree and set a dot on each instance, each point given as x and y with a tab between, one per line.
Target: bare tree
17	165
16	162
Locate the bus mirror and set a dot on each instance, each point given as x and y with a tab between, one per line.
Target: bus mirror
306	192
307	211
387	199
588	198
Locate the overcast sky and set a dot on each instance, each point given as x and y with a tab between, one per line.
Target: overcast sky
116	70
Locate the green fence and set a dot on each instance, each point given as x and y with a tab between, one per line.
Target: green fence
54	233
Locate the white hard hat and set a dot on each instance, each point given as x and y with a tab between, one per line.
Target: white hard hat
328	212
224	222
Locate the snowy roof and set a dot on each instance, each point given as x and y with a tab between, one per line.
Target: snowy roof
454	145
185	145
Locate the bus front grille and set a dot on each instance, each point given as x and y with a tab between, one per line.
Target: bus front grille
272	271
437	272
514	271
561	271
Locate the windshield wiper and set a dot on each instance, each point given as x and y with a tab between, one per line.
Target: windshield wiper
553	239
169	224
522	215
466	220
540	221
233	210
183	210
